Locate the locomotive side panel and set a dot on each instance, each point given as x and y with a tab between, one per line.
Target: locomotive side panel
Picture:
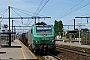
30	39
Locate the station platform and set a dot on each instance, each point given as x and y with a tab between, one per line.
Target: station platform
17	51
76	44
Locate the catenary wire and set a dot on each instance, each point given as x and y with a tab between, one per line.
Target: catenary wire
76	9
22	12
42	7
3	14
39	6
25	11
72	8
85	14
19	15
80	7
16	12
69	10
3	10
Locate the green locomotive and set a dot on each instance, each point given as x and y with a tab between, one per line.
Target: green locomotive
41	37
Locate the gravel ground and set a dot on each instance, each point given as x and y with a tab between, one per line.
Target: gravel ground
71	56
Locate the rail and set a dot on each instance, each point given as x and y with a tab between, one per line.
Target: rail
58	58
75	50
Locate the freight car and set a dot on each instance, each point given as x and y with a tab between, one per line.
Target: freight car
23	39
41	38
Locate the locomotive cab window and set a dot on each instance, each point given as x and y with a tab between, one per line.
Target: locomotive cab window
43	29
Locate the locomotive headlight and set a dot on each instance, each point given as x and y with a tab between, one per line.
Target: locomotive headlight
52	39
37	41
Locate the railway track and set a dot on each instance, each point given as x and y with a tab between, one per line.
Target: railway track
48	56
56	57
73	50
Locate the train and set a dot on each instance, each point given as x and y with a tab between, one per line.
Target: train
40	37
23	39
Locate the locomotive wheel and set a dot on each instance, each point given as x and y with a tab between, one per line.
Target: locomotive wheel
34	50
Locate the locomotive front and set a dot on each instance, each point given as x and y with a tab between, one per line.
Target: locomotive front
44	37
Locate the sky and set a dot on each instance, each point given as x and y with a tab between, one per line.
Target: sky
64	10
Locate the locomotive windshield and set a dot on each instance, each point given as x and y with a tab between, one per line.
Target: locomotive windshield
43	29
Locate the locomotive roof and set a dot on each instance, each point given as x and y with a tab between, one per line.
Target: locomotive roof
41	23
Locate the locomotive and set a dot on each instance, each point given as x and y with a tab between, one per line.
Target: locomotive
41	37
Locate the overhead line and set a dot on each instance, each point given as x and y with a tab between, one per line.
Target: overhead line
22	29
16	12
21	26
25	17
42	7
39	6
70	10
3	14
3	10
62	15
17	22
85	14
24	11
82	17
76	9
30	22
73	6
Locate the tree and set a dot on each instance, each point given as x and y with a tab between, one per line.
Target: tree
85	30
58	26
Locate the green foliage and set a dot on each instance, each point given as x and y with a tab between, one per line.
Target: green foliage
58	26
67	35
85	37
85	30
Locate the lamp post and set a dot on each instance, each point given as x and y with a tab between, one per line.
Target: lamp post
79	24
